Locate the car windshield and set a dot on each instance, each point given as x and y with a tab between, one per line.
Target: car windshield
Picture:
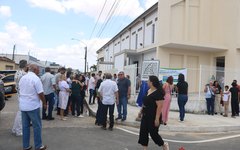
8	79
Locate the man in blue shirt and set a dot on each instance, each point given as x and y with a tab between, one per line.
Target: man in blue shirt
124	92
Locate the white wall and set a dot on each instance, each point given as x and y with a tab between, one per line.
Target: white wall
149	29
125	41
119	62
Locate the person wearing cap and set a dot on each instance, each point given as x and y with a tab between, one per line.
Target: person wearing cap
124	88
17	126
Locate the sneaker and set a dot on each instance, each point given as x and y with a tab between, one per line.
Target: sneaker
42	147
118	118
80	116
19	134
63	119
123	120
165	146
29	148
49	119
104	128
110	128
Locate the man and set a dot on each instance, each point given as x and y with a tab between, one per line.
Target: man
17	126
92	85
109	92
124	88
114	77
30	94
49	85
98	77
61	71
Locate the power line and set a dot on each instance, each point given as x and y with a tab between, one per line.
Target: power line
110	14
98	19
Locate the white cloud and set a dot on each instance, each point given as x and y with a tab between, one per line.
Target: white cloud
5	11
70	55
150	3
54	5
16	34
91	8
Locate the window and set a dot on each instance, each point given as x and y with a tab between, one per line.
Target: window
139	29
8	67
127	37
123	39
136	41
149	23
119	42
133	32
156	19
153	33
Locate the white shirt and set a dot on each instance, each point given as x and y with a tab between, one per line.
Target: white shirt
107	90
48	81
226	95
30	86
91	83
63	85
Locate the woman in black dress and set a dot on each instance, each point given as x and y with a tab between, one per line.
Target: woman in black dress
150	113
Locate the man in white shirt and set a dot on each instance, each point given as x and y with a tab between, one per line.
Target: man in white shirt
30	95
49	86
109	92
92	84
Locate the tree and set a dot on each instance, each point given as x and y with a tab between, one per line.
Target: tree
93	68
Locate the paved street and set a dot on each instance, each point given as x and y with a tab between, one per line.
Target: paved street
82	134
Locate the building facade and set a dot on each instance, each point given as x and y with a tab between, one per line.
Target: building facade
199	35
6	64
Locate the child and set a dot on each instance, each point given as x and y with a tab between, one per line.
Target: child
226	96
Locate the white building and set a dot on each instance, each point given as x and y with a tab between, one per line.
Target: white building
132	45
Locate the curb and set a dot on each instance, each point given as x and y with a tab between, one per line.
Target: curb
174	128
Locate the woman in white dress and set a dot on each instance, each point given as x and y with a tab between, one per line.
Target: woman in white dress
63	95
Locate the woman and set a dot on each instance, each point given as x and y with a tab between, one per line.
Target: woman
76	95
83	92
167	87
218	96
182	89
150	113
63	95
210	97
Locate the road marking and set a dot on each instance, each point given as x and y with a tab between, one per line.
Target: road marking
187	142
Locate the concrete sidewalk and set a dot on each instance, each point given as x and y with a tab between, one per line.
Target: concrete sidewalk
192	123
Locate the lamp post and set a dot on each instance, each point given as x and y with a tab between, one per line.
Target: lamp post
85	57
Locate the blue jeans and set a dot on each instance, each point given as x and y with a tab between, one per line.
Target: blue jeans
50	100
210	105
122	108
92	93
182	100
34	117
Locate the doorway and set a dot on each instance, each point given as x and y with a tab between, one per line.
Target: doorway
220	70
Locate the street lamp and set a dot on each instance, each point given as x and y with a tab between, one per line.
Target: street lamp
85	66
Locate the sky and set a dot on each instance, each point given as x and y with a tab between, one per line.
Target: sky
45	28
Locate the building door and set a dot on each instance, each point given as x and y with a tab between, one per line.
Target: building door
136	62
220	70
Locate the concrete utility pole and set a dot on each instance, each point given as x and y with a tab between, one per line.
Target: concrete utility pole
85	58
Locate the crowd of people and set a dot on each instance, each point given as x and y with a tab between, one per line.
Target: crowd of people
218	99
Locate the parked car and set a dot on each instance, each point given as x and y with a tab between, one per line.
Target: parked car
2	97
9	85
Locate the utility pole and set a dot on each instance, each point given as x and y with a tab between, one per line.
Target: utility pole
14	47
85	67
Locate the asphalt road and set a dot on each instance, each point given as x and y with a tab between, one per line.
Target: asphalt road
82	134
